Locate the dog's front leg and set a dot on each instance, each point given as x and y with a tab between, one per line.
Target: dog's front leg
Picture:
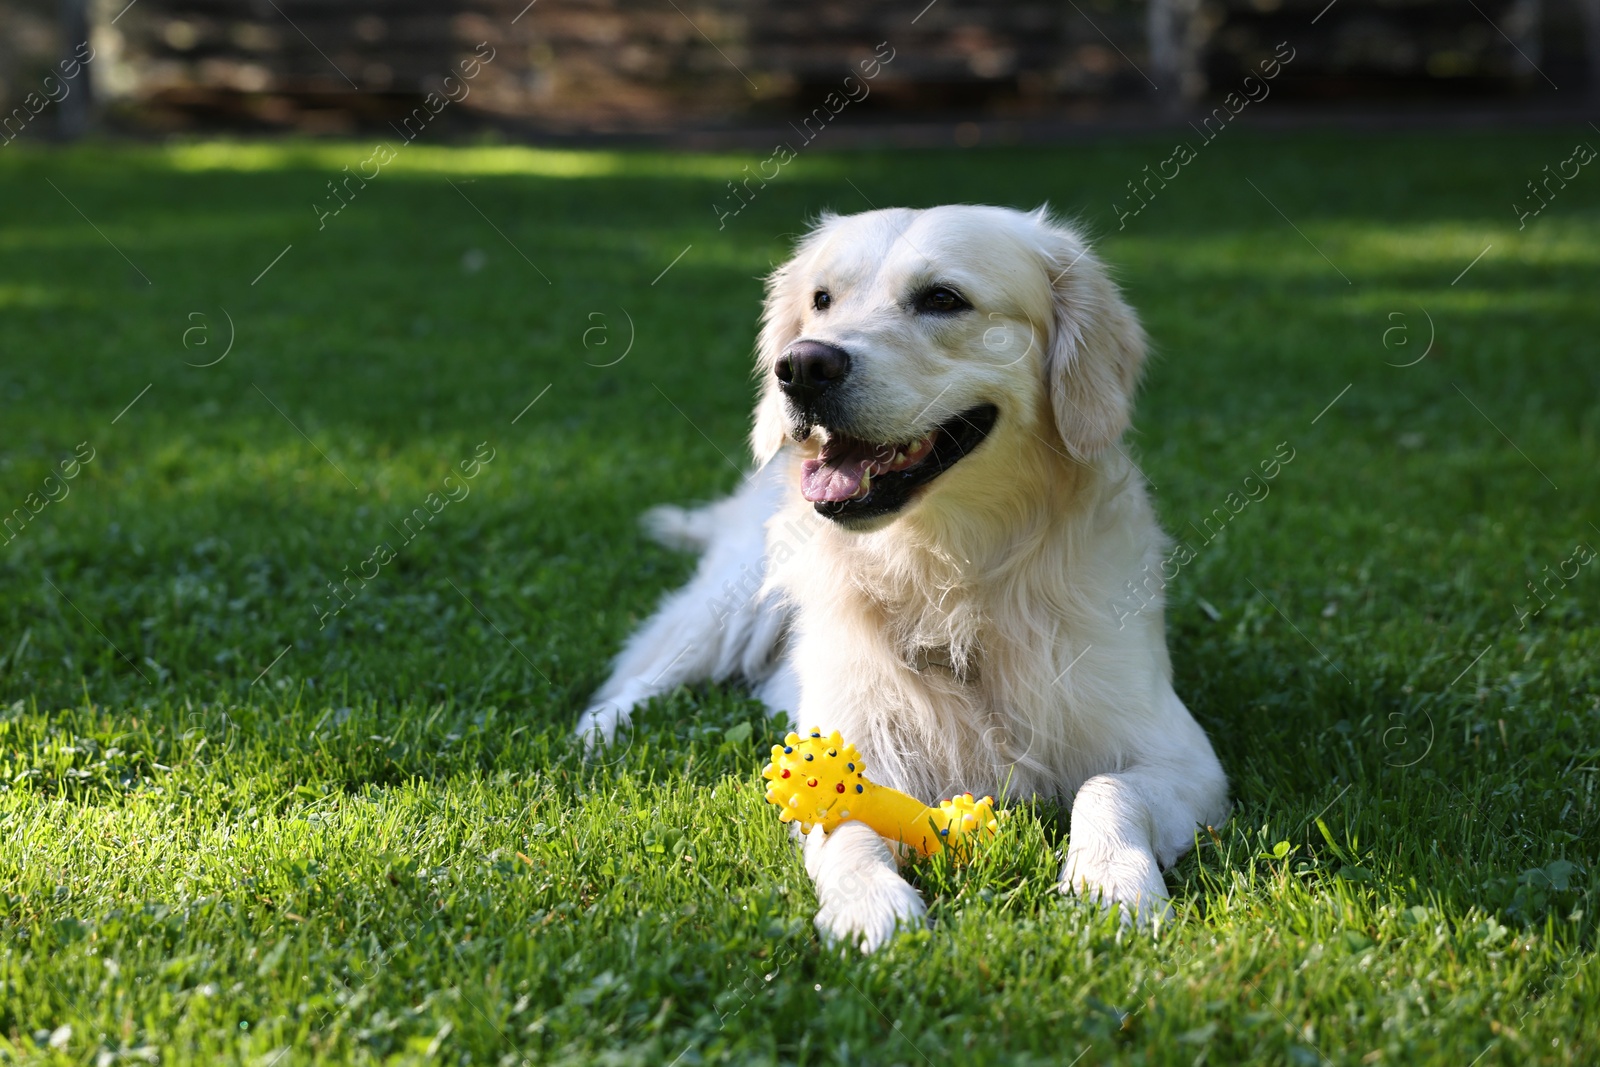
862	896
1111	856
1127	825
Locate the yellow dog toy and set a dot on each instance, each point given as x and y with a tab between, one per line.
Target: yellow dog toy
821	780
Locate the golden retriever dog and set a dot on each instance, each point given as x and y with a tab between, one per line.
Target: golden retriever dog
931	551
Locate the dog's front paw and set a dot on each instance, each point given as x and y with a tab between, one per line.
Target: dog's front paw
1123	876
864	900
868	920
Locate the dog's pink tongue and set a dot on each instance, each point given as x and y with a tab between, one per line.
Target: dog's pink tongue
839	480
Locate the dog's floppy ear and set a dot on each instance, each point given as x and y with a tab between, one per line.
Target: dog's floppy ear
1097	348
780	325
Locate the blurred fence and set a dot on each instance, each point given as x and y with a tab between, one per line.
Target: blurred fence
593	66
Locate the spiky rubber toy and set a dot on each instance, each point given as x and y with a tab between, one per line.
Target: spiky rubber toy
821	780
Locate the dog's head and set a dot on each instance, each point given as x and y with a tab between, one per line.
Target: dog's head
896	344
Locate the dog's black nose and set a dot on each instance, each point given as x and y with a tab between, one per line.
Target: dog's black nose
807	368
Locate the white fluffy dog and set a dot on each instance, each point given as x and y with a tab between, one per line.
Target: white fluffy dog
928	555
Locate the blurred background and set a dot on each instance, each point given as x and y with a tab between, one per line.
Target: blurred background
722	71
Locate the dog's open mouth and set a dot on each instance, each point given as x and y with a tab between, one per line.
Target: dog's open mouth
856	479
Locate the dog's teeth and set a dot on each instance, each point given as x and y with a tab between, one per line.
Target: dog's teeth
899	457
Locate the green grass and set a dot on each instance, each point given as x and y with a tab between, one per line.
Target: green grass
383	849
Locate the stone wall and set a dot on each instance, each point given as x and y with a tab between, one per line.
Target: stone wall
629	65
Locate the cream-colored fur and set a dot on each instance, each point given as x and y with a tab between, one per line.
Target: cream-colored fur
967	642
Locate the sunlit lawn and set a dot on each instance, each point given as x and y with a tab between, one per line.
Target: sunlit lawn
284	778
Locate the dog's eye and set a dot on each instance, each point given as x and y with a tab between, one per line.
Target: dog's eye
821	300
941	298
